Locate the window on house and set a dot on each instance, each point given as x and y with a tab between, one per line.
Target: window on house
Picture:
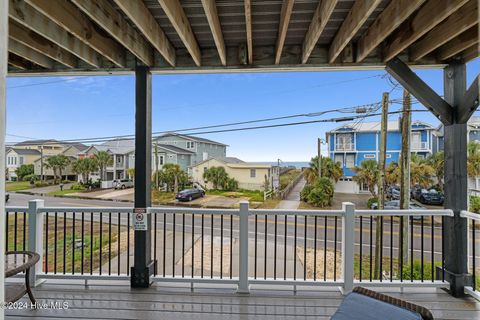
21	160
350	161
253	173
190	144
205	169
344	141
338	158
416	141
161	160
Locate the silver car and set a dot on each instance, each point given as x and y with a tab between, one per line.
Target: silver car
122	184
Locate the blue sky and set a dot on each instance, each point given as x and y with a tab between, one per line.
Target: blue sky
84	107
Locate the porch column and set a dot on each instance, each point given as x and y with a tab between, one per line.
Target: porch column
3	103
143	264
456	193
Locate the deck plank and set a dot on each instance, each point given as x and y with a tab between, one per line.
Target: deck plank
176	302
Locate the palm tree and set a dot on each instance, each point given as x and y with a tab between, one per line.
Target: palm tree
131	173
217	176
52	163
330	169
85	167
104	160
473	159
437	162
173	172
392	174
421	173
367	174
62	163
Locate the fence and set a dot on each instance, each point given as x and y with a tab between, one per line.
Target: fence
238	246
284	193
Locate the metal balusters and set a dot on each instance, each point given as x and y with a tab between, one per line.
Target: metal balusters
15	228
183	245
155	241
202	250
325	250
173	244
211	246
371	246
221	246
91	243
73	242
474	272
118	244
381	249
109	243
443	249
305	250
400	245
55	244
295	251
83	242
391	248
164	251
275	249
255	250
315	251
7	222
285	251
193	245
231	245
361	246
46	241
24	230
433	248
422	248
411	248
101	243
265	250
64	241
128	243
335	252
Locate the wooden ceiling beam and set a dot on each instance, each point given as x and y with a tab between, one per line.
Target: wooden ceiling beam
391	17
460	21
69	17
40	44
458	44
210	8
175	13
470	53
248	29
427	17
285	14
320	18
27	16
142	18
29	54
360	12
19	62
113	22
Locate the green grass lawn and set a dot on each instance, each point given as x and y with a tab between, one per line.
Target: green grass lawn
252	195
288	177
162	197
13	186
64	192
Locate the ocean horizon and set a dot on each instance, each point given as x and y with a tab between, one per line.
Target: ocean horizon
296	164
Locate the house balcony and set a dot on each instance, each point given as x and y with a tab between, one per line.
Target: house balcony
285	263
345	147
419	146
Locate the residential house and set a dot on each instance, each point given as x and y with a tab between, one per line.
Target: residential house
71	152
352	143
166	154
48	147
251	176
201	148
15	157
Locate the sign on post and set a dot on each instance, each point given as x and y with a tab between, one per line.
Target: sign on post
140	219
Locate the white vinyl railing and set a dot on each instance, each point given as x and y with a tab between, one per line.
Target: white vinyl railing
474	219
239	246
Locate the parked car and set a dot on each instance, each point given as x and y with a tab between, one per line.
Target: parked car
415	192
189	194
431	196
122	184
395	205
393	192
7	197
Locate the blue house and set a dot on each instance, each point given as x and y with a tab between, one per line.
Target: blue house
353	143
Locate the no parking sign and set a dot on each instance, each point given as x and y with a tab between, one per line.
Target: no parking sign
140	219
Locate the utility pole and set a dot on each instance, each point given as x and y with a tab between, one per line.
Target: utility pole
381	185
41	162
406	129
319	149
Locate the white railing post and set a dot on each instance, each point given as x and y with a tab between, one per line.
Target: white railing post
348	245
35	237
243	286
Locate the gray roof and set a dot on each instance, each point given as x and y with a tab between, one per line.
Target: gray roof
25	151
194	138
174	149
79	146
231	160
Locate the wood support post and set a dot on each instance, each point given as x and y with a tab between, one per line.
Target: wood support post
143	264
456	193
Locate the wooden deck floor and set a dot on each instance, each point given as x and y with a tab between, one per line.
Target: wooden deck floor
160	302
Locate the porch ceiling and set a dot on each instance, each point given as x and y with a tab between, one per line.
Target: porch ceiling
64	36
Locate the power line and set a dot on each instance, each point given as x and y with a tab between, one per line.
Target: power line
43	83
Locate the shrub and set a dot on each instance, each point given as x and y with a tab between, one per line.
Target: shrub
31	177
322	193
305	192
231	184
475	204
417	270
23	171
77	186
371	201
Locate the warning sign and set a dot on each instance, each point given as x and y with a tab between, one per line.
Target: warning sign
140	219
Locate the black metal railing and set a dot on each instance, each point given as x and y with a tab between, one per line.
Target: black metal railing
16	229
